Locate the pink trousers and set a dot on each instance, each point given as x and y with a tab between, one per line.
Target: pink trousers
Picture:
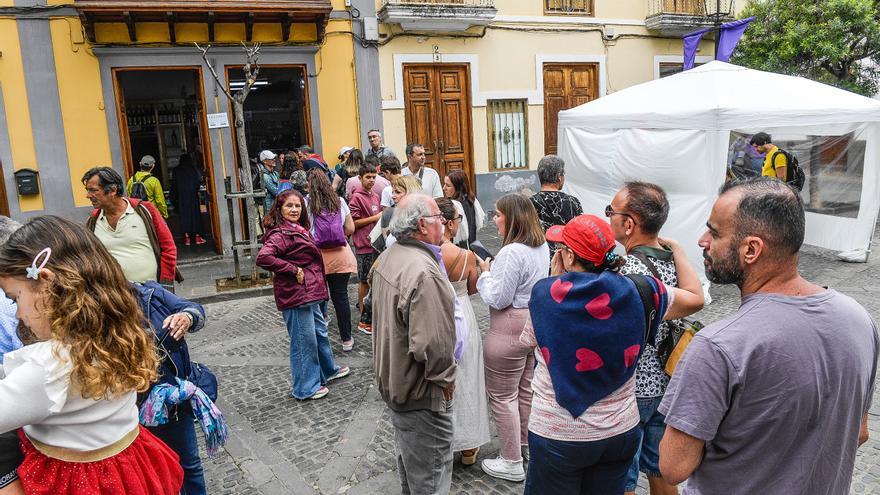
509	369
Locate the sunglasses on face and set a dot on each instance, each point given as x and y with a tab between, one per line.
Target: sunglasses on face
609	212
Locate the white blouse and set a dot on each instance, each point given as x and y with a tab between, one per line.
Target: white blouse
36	394
512	275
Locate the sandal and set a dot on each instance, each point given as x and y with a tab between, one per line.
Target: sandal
469	457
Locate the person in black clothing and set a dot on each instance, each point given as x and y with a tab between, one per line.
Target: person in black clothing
554	207
456	186
185	184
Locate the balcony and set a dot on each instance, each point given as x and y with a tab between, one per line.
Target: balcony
438	15
679	17
173	12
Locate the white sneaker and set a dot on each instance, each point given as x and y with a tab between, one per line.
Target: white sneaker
504	469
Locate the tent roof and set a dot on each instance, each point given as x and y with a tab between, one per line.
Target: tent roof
720	96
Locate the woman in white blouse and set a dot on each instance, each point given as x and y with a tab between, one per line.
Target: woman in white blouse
506	285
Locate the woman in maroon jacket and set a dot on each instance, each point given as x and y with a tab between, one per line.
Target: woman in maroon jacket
300	294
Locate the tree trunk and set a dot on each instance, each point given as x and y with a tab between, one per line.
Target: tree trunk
250	201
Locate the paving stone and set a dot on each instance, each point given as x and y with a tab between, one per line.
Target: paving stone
344	442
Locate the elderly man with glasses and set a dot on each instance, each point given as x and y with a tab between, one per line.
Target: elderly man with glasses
413	341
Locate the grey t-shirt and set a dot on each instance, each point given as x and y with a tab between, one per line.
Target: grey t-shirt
777	391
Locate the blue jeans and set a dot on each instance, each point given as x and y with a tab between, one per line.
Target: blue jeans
180	435
311	358
599	467
651	427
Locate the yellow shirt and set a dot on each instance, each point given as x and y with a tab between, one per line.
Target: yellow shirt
130	244
769	170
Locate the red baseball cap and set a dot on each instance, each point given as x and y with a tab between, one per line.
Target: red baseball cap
589	236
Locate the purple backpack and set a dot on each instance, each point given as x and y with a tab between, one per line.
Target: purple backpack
328	231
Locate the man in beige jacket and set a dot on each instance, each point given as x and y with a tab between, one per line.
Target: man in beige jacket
413	342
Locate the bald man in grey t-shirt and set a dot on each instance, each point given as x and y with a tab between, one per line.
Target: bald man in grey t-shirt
777	392
775	398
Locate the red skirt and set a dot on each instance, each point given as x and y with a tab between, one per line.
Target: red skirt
145	467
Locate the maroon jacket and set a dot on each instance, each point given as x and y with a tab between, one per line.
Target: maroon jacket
285	248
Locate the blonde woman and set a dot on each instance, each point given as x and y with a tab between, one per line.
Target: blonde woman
470	415
79	424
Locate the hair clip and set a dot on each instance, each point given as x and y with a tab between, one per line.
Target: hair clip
610	257
33	271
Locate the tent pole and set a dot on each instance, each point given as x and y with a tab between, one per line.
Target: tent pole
871	241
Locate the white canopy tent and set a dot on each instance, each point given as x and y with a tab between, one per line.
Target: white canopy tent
678	132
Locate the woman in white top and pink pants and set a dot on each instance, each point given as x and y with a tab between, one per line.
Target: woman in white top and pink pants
505	285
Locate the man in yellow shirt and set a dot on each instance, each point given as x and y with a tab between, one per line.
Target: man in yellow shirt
775	164
154	192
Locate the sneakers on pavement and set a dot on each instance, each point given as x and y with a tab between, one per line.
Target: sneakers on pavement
367	328
320	393
343	371
504	469
200	240
347	345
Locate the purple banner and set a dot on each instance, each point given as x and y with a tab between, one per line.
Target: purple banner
691	42
731	32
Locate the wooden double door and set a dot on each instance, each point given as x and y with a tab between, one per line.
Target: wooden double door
566	86
438	115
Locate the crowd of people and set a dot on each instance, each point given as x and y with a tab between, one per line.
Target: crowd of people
572	367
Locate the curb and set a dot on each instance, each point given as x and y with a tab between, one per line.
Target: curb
233	295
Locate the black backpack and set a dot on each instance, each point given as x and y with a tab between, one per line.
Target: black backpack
794	174
139	189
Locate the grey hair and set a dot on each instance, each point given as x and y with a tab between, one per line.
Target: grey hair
551	169
7	227
405	222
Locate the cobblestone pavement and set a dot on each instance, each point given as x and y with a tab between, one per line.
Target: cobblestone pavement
343	443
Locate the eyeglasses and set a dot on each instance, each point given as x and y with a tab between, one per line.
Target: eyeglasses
438	216
609	212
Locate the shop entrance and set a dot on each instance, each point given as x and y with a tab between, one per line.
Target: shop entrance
161	114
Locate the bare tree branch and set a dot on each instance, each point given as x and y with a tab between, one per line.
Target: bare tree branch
211	68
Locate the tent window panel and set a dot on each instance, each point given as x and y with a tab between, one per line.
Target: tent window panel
507	134
833	165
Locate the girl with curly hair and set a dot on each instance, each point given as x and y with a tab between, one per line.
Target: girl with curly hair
73	391
290	252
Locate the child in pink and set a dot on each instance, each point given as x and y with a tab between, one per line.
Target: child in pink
365	211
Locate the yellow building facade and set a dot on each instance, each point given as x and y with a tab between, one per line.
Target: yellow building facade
101	83
491	76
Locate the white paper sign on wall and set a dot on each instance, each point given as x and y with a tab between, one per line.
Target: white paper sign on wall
218	120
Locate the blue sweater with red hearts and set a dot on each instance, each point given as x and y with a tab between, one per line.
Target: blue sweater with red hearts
590	329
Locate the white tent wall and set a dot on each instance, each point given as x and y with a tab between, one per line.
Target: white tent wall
676	132
599	161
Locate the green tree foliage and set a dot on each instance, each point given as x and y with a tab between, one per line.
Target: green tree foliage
832	41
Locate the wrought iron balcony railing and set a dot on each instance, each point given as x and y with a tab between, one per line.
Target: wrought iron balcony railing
454	3
438	15
572	7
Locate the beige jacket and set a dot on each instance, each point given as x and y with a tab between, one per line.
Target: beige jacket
413	328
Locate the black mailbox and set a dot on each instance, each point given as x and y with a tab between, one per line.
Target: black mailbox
27	181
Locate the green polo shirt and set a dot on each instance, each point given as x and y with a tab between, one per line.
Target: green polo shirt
130	244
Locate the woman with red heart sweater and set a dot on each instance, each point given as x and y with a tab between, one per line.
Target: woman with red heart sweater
589	325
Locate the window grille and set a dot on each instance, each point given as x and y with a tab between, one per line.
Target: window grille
508	134
568	7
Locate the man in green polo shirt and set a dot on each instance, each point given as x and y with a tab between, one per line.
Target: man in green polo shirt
154	192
